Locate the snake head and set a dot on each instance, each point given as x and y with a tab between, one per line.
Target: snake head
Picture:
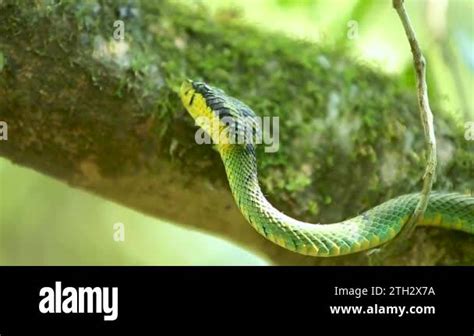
225	119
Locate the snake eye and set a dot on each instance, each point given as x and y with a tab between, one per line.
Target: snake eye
201	87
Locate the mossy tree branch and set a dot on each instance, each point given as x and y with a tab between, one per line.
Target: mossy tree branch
103	115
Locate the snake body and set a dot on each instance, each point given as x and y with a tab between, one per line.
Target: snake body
365	231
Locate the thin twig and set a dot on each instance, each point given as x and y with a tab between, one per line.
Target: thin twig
426	118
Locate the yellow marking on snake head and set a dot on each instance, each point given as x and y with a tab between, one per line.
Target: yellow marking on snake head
196	97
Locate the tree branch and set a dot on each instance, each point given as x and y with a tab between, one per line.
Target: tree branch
426	117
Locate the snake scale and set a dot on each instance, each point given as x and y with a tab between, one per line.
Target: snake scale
365	231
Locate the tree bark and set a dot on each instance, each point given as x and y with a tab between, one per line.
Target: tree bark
103	115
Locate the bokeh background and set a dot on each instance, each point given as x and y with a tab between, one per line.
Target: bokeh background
45	222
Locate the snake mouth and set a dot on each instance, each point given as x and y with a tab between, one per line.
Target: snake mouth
186	86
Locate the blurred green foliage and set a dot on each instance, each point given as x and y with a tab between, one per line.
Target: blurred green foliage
45	222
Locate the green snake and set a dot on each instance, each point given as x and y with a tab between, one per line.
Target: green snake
208	106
